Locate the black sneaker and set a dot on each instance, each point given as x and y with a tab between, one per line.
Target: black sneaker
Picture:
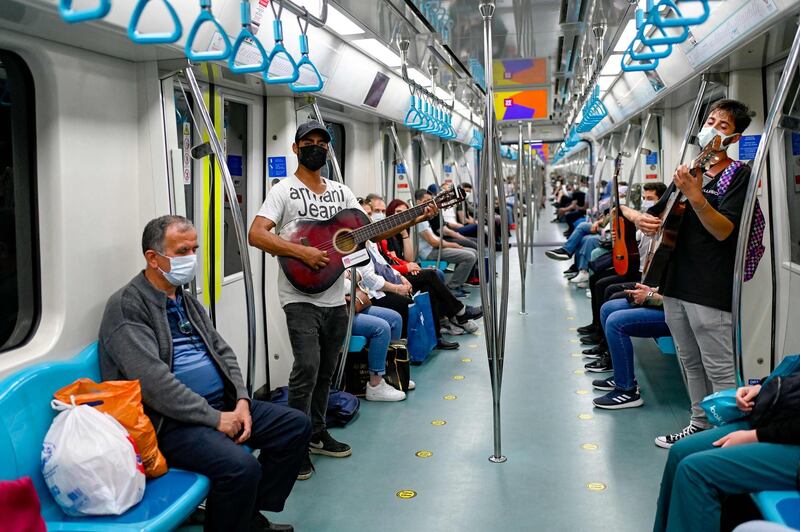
588	329
470	313
260	523
619	399
600	365
306	469
592	339
665	442
445	345
558	254
596	350
605	385
323	443
571	269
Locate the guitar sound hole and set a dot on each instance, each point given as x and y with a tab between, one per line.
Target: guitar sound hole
344	242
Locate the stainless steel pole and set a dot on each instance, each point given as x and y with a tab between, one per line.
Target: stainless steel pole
519	210
337	171
337	383
637	155
488	196
698	104
424	150
402	158
745	226
238	225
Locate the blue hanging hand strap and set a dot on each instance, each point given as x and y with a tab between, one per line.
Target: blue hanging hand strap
153	38
645	55
72	16
279	49
210	55
661	22
246	36
636	67
645	19
305	61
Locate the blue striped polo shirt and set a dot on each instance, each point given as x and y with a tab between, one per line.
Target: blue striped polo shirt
191	363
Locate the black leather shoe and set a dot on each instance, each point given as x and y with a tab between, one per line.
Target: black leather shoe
262	524
592	339
596	350
444	344
587	329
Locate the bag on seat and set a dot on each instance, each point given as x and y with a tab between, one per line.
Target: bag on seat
721	409
90	464
122	400
421	328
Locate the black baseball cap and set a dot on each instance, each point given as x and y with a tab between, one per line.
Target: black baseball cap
308	127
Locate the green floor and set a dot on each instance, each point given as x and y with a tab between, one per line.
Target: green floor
543	485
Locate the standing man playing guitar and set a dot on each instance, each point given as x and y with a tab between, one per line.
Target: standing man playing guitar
698	283
317	322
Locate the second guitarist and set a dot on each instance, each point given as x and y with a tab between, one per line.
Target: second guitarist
698	285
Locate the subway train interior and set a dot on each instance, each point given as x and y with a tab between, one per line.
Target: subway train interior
603	193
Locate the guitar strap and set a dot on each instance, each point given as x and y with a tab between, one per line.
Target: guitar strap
755	246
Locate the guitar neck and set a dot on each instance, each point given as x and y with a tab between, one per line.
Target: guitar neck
375	229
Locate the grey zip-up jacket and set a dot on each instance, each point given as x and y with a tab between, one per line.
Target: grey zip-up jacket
135	342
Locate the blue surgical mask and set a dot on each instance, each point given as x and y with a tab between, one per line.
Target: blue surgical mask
182	269
707	134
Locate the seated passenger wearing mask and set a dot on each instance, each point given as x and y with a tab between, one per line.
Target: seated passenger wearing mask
192	388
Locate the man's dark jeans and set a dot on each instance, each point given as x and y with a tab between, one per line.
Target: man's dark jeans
241	484
316	334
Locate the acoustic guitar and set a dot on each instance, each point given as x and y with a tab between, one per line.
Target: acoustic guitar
624	250
666	238
343	235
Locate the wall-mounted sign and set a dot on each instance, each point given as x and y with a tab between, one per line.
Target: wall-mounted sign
276	166
748	146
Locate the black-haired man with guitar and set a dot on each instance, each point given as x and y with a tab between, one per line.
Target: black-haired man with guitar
697	280
319	223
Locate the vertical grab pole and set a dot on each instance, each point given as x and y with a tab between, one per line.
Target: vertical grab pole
698	104
400	157
521	196
337	171
637	155
238	225
486	209
770	126
337	383
424	149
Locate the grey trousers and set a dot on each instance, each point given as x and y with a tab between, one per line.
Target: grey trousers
464	259
702	337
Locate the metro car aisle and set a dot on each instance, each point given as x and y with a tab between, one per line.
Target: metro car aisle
544	484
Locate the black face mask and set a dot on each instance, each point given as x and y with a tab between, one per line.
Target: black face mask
312	156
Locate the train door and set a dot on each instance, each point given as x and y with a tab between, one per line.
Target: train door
196	191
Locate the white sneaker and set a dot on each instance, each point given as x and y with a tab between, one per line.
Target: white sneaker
582	277
452	329
469	326
412	385
384	392
588	293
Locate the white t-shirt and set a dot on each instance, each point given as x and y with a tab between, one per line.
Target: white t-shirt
425	249
290	200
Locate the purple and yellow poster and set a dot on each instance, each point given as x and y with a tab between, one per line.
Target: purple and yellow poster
521	105
528	71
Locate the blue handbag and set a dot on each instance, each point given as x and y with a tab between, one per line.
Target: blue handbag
421	328
721	409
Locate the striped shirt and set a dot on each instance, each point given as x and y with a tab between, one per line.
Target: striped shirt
191	362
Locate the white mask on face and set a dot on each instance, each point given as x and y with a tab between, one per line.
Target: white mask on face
646	204
378	216
182	269
707	134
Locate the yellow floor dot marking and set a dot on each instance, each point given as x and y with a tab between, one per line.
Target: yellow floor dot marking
406	494
581	392
585	417
458	377
590	447
438	422
472	346
572	329
596	486
570	317
465	360
450	397
478	333
574	340
423	454
579	372
577	355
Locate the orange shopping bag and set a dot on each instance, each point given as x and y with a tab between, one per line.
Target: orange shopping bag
122	400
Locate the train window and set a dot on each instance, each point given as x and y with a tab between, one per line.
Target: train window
19	254
236	153
338	142
186	139
792	151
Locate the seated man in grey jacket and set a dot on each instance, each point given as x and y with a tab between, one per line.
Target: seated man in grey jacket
193	390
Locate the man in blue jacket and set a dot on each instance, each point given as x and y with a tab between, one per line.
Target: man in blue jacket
192	387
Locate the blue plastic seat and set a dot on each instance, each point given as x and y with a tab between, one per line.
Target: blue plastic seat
666	345
782	507
442	265
357	344
25	417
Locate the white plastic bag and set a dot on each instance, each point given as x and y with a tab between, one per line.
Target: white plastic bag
90	463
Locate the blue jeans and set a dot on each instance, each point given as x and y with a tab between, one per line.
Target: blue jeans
620	322
584	257
241	484
697	474
380	326
574	240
